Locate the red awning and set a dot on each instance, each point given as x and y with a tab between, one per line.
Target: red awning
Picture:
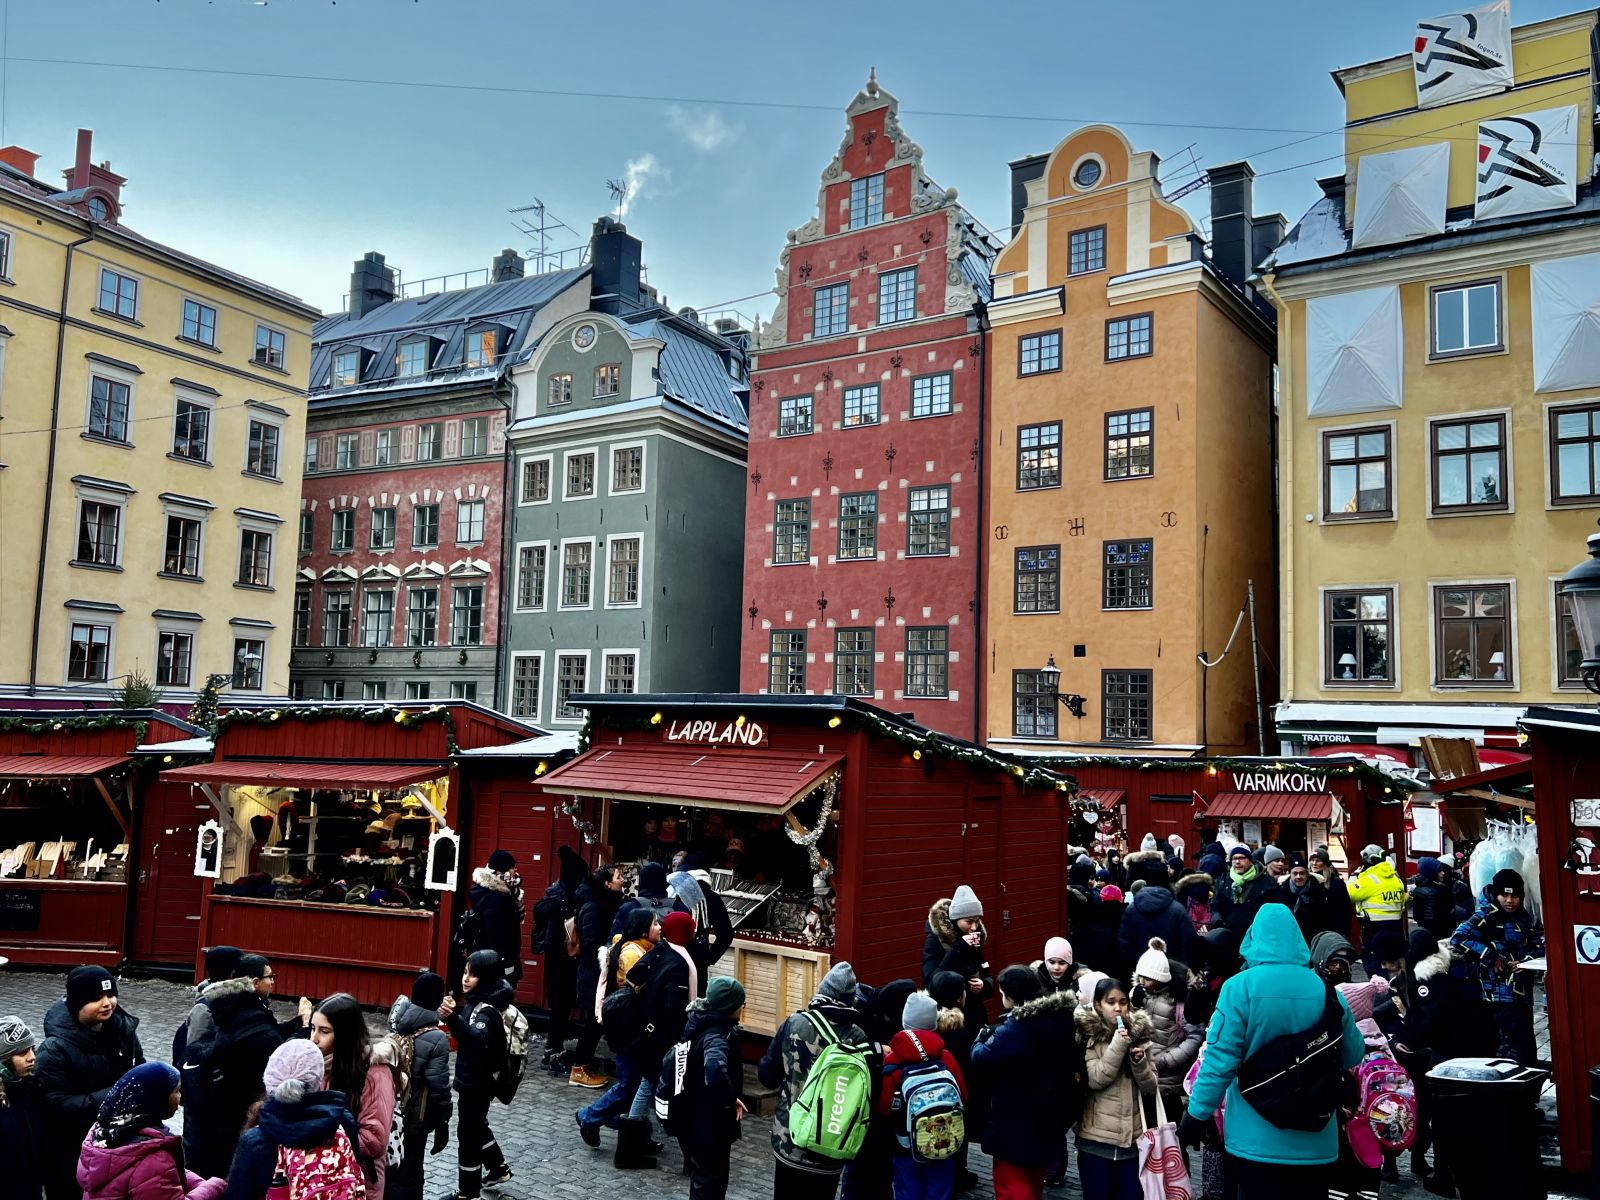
751	780
1273	806
57	766
355	776
1397	755
1103	797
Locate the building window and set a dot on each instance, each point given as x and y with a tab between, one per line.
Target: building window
249	661
580	476
1130	444
621	674
558	390
830	310
622	575
474	437
531	563
424	526
794	416
1039	456
99	533
786	662
191	431
199	323
1086	251
1473	633
852	662
1466	319
1356	474
480	348
418	689
89	653
627	469
108	409
466	615
422	617
858	525
269	347
430	445
346	447
866	201
412	359
469	522
1129	337
1125	706
464	689
1039	353
928	661
333	689
344	530
346	368
336	618
119	294
861	406
311	456
930	396
535	480
792	532
1126	574
1038	585
1575	455
383	528
897	296
174	659
1360	632
525	671
297	689
5	255
607	379
576	562
572	679
261	455
302	617
377	619
374	689
1033	709
1569	650
929	517
182	555
383	447
1469	464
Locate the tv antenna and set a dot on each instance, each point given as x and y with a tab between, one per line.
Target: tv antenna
619	195
540	228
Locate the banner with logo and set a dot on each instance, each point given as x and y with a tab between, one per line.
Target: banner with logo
1463	54
1527	163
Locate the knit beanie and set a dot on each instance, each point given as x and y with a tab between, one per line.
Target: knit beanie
573	869
677	928
1020	983
947	988
427	991
725	995
1240	851
1058	947
1149	843
1080	873
1421	945
653	881
1271	854
221	961
965	904
1387	945
1111	892
1213	865
294	1071
1504	883
15	1038
86	985
921	1012
1153	963
839	984
1319	854
1428	868
1138	884
1086	985
502	861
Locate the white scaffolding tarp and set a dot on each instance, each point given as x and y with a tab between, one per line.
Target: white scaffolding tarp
1566	323
1400	196
1463	54
1527	163
1353	352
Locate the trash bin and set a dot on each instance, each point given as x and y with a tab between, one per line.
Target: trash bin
1486	1120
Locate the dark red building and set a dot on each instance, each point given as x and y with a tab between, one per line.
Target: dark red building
863	536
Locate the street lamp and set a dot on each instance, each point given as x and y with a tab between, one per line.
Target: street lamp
1050	681
1580	591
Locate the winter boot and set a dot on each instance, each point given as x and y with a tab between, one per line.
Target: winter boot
497	1176
633	1139
468	1184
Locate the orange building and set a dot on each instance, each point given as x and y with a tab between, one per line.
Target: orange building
1129	487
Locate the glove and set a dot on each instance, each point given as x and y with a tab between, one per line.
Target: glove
1196	1131
441	1139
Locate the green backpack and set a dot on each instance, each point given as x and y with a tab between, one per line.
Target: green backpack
830	1115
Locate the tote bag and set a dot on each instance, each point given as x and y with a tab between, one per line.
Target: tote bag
1163	1172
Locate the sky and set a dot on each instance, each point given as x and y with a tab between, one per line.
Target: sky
285	139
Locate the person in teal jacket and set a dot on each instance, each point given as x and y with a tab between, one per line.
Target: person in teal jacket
1278	993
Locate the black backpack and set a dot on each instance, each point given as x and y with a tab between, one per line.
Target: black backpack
1294	1081
469	933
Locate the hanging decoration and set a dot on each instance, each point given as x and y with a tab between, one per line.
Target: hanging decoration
573	809
801	837
406	718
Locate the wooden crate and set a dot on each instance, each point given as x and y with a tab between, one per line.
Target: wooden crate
778	980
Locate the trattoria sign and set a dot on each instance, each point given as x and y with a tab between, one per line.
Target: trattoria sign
717	733
1279	781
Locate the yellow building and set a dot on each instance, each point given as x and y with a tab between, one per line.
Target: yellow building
152	430
1439	450
1128	489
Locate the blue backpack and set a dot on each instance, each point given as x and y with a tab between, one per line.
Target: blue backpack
935	1118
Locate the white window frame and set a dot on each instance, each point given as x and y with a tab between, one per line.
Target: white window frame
474	338
607	655
561	575
375	689
611	468
516	577
1509	483
7	242
394	528
101	370
366	593
119	273
458	690
461	439
108	620
511	686
1513	681
341	443
400	358
591	451
436	445
418	689
181	395
550	483
383	448
555	684
333	530
115	497
481	507
624	537
335	379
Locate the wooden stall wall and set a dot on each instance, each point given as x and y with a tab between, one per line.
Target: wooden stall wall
510	812
62	922
166	923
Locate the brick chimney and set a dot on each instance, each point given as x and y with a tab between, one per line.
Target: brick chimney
19	159
101	188
507	265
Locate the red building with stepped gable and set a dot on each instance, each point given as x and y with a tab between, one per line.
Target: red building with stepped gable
863	537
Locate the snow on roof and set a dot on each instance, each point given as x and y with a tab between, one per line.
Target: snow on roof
547	746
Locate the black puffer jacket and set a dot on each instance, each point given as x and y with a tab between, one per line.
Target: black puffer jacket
21	1129
500	920
1434	908
1033	1068
246	1036
714	1076
599	909
944	948
76	1068
480	1034
662	977
428	1106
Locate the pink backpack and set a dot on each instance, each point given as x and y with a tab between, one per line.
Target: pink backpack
1385	1119
321	1173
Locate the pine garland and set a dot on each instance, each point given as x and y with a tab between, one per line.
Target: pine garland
1363	771
373	714
43	724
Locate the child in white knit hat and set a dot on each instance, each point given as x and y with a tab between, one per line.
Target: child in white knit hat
1161	987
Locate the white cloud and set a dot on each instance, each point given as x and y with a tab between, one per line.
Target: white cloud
643	176
703	128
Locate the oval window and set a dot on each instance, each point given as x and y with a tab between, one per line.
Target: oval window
1087	174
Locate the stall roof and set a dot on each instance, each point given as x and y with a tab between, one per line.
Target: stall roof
305	774
1272	806
752	780
1103	795
57	766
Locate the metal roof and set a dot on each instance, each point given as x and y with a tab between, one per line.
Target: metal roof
57	766
699	368
298	774
735	777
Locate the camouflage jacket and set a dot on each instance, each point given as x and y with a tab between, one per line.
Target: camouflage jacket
788	1059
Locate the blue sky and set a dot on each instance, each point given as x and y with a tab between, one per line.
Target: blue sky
291	179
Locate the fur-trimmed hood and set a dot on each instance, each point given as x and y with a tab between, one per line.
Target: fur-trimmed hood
1143	856
1095	1032
1434	966
951	1020
224	988
1040	1005
1191	880
490	881
943	928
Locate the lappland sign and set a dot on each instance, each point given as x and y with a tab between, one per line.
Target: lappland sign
1279	781
717	733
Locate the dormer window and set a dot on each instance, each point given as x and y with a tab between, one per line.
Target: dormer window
347	368
99	210
412	360
480	348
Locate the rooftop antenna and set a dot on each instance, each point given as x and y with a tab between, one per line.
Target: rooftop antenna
540	228
619	194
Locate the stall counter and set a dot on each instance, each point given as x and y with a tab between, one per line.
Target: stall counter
778	979
66	922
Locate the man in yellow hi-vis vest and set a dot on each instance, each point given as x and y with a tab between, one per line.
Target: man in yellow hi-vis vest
1379	895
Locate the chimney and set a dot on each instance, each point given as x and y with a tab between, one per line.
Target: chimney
615	259
371	285
507	265
730	329
1023	172
19	159
1232	198
102	200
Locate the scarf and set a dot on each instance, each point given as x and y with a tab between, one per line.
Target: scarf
1242	882
694	971
513	881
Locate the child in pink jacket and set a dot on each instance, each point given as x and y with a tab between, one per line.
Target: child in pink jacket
129	1154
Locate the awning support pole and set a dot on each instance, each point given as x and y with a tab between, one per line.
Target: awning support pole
211	795
105	794
416	794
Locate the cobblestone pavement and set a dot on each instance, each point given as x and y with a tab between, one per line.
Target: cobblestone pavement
537	1130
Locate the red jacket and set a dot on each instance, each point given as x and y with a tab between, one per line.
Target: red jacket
903	1052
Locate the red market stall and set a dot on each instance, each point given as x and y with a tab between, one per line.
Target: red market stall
829	826
72	792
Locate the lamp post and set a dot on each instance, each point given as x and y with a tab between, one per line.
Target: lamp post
1050	681
1580	592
